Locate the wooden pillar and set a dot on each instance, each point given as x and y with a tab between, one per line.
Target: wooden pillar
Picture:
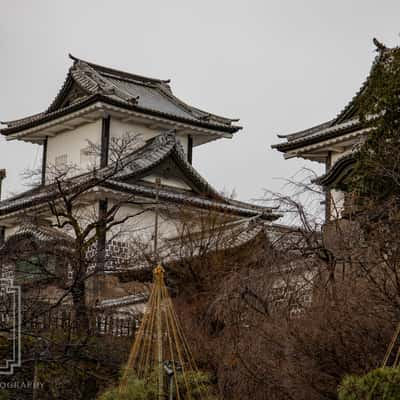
44	161
328	197
101	249
103	204
2	228
101	240
2	176
105	140
190	149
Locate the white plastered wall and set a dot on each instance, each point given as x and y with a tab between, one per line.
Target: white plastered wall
337	203
10	231
175	183
337	196
140	227
72	142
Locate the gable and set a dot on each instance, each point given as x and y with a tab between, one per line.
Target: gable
171	174
74	94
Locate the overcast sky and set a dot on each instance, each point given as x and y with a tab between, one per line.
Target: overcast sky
280	66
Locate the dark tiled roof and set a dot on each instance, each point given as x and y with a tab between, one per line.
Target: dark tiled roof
174	196
339	171
350	110
147	95
132	168
140	298
230	236
346	120
315	135
153	153
41	234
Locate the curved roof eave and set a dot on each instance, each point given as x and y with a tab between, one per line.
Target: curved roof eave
39	119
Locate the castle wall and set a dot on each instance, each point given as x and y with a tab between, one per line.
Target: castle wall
141	227
71	143
175	183
337	196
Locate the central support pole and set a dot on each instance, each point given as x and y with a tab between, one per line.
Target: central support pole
158	183
159	280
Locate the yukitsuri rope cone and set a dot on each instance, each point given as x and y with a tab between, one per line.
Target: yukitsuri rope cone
160	350
390	349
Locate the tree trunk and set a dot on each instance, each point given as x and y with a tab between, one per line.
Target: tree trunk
79	301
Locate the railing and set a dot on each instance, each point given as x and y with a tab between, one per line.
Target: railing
100	324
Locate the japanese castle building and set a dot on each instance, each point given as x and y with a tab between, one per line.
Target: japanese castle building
332	143
99	104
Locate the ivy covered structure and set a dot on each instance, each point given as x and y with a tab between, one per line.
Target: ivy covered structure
339	144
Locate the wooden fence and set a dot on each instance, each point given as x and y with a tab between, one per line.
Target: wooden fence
100	324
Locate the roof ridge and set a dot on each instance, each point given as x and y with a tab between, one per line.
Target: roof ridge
162	85
97	83
119	72
307	131
346	116
382	50
87	82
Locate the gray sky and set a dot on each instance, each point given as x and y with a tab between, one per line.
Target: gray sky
279	66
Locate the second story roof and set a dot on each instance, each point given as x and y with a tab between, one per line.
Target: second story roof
127	177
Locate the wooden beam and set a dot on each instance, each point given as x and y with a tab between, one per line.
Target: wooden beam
88	119
49	133
101	245
105	141
308	155
68	127
44	162
336	149
190	149
154	126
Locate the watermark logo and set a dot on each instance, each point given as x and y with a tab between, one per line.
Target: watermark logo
10	326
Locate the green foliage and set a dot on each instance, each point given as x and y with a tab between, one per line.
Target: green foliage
136	389
146	389
4	395
57	378
199	384
377	169
381	383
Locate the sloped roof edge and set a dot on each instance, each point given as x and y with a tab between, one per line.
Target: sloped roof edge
340	123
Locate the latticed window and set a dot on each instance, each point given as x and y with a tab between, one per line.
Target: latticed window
7	272
279	292
294	292
34	268
61	161
88	158
84	156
